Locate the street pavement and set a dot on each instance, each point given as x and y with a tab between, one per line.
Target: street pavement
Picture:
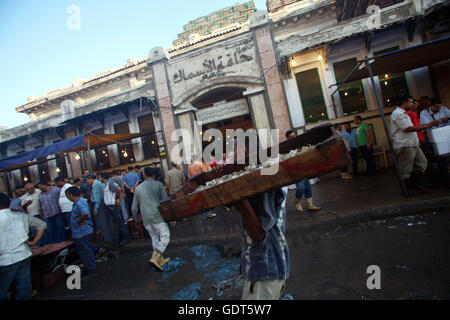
365	221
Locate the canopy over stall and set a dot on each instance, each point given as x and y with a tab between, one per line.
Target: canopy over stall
84	142
406	59
411	58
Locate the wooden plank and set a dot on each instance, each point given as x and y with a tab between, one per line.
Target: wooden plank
326	157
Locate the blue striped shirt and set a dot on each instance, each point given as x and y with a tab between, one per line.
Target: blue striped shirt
267	259
80	207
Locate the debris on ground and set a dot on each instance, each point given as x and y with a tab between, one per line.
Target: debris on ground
228	285
223	272
190	293
287	296
171	267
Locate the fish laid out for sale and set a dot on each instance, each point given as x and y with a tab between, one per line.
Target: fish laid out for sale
312	154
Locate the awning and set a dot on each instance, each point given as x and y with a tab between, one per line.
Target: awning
407	59
75	144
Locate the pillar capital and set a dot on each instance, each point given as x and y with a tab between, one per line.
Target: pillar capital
259	18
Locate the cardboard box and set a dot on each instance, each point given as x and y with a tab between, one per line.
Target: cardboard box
440	139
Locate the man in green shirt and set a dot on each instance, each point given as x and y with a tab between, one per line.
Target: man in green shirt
365	144
147	198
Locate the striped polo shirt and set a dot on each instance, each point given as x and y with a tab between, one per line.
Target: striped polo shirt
80	207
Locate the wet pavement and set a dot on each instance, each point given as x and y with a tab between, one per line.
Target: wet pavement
339	199
412	252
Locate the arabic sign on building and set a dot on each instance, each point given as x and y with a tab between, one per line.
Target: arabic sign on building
230	59
222	110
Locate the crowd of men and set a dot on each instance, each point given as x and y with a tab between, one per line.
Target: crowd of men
61	211
108	201
409	124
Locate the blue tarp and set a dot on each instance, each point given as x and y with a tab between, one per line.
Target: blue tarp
190	293
171	267
33	155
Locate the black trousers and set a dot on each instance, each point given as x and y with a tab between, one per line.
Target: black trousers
368	157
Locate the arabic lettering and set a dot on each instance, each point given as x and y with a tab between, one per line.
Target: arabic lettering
216	67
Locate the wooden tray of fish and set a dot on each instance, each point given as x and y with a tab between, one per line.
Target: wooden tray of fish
312	154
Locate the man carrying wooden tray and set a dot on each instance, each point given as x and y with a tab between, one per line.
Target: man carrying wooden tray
265	260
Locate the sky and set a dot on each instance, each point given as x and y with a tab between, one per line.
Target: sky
43	48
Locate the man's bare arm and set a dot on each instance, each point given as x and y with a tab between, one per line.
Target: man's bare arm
251	221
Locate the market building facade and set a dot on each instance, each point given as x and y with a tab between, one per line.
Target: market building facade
278	70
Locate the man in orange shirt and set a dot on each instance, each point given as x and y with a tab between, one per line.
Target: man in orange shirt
411	110
197	168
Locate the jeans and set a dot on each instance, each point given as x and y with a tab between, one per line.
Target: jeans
303	189
86	250
115	212
56	230
125	213
67	218
129	196
368	157
354	156
18	275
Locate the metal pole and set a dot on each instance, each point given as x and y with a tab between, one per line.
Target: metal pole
380	108
89	163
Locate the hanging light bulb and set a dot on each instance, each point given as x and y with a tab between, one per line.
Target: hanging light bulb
58	170
77	157
25	179
153	142
125	154
320	57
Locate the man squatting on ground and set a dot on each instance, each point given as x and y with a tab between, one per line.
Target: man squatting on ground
15	254
147	198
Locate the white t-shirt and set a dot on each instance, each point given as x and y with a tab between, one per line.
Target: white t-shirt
34	208
399	122
65	204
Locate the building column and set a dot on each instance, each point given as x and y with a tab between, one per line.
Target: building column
157	62
262	30
185	119
74	163
137	143
258	109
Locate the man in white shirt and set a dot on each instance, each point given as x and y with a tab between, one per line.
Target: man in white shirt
15	254
65	204
406	146
436	111
30	200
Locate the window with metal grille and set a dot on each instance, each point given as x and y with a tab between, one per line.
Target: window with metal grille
351	93
311	95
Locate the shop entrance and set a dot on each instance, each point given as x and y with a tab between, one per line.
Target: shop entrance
222	109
